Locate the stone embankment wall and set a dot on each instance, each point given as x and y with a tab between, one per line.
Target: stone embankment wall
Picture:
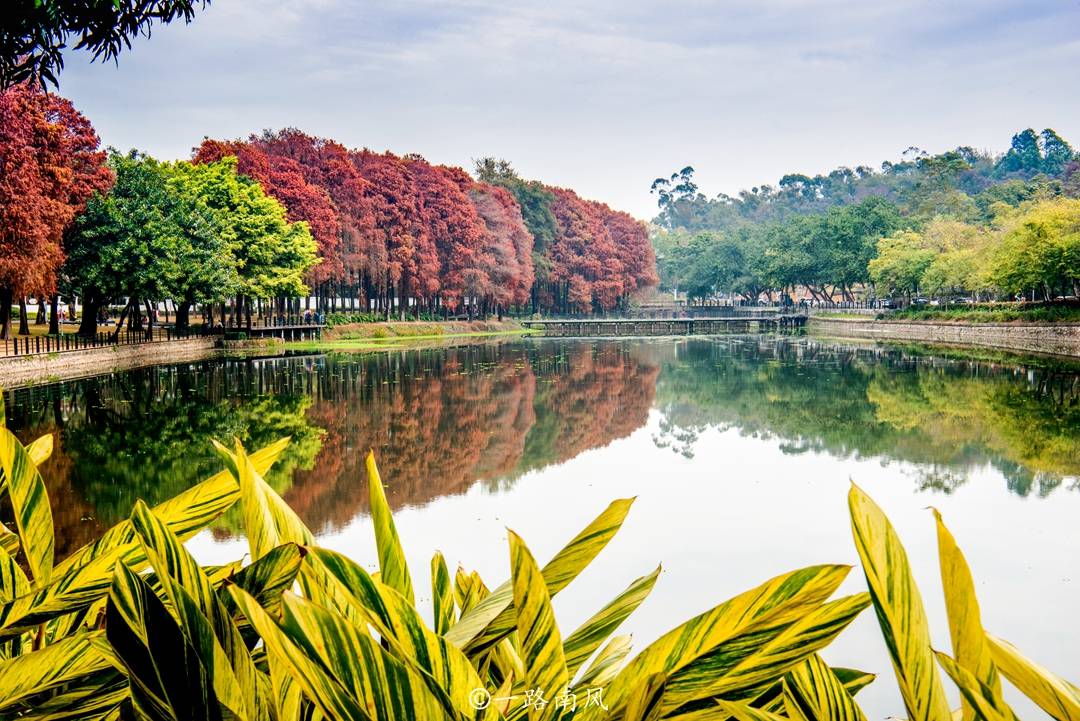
45	368
1054	338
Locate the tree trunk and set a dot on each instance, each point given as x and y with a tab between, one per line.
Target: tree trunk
88	323
24	322
5	313
120	321
150	319
54	315
183	315
39	319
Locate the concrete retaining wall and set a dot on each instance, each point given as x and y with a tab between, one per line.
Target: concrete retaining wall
1054	338
46	368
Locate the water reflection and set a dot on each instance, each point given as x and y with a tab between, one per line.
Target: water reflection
439	420
443	420
949	414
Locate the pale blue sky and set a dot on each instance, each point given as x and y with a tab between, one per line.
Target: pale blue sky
602	96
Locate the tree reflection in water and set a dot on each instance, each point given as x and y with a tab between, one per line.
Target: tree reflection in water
949	413
442	420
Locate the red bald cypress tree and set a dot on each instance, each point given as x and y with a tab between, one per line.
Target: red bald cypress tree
50	165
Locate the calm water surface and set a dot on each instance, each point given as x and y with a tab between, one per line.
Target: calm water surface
740	451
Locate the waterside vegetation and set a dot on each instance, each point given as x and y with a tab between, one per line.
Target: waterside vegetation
131	626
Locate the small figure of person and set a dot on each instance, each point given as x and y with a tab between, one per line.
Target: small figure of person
307	317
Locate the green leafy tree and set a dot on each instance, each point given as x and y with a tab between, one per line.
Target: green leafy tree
35	32
271	255
144	241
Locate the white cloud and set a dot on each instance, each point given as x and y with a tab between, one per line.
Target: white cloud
605	96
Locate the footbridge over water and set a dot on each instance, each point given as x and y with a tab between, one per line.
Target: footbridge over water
615	327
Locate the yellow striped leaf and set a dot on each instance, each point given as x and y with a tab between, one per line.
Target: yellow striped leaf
268	520
812	692
40	449
394	571
583	642
493	618
325	691
853	680
644	701
745	712
754	660
385	686
970	648
605	665
57	664
9	542
94	700
985	702
779	601
13	581
442	595
899	609
267	579
70	592
204	620
30	504
361	599
541	645
167	677
1053	694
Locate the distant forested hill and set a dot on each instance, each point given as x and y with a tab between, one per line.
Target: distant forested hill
952	223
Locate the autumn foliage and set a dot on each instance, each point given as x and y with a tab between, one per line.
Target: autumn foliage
399	234
49	166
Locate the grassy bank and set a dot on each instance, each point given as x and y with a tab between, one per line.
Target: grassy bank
993	313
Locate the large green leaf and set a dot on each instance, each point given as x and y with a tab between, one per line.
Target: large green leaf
394	572
899	609
538	634
30	504
493	618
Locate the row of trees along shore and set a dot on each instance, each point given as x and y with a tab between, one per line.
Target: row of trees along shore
964	223
254	225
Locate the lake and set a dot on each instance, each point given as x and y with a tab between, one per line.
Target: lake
739	449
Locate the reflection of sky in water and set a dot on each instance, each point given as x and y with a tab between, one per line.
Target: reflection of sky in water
739	451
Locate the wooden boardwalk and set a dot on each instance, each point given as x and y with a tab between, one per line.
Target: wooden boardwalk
615	327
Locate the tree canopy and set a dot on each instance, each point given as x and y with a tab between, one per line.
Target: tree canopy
35	33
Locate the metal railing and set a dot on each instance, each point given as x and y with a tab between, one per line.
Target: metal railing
69	342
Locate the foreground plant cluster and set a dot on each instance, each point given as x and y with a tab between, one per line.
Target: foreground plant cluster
132	627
